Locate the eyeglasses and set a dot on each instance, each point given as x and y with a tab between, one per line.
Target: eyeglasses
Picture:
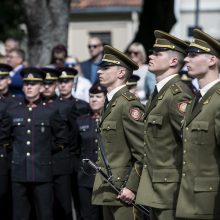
136	53
93	46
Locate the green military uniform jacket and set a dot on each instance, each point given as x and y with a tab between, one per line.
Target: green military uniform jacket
199	195
160	177
122	135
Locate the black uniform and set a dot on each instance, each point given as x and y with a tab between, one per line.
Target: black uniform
62	161
37	133
89	148
4	168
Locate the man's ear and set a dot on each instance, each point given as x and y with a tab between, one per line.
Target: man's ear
173	61
122	73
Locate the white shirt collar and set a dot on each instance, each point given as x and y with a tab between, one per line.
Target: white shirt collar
205	89
163	82
112	93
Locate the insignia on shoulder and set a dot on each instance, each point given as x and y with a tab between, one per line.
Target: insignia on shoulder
135	113
182	106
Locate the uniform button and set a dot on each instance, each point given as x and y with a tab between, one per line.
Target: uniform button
19	124
165	179
184	151
28	131
28	142
30	109
185	140
187	128
28	154
108	128
145	155
96	151
145	121
144	143
183	174
184	162
118	178
145	166
44	103
145	132
42	123
96	140
210	188
154	122
1	155
28	120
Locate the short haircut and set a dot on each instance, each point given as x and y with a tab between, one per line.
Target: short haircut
179	56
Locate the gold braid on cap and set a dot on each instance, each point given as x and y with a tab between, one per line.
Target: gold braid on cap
3	73
200	47
164	45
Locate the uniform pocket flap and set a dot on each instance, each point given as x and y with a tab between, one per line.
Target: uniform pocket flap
206	184
200	125
165	175
155	119
109	125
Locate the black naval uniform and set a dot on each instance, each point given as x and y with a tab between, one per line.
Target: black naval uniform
4	168
62	162
37	132
89	149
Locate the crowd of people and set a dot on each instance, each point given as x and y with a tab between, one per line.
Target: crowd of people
153	136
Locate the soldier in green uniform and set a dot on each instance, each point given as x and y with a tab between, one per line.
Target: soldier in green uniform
165	110
199	195
121	130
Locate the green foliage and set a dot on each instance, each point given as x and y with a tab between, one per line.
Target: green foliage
11	17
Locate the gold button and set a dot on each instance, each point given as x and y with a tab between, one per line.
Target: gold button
187	128
184	162
28	154
96	140
183	174
28	120
145	166
185	140
165	179
108	127
19	124
144	143
28	131
28	142
30	109
154	122
118	178
145	155
44	103
184	151
210	188
99	148
1	155
145	121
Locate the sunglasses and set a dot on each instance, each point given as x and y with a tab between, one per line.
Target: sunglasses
93	46
136	53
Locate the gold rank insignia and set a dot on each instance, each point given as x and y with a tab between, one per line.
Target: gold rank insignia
135	113
48	76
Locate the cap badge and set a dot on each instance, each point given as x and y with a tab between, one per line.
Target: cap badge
48	75
64	74
30	76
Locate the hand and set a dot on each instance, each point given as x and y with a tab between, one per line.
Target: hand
126	195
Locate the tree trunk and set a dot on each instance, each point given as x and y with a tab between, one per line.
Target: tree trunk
156	14
47	25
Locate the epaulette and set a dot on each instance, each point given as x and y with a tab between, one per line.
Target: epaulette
175	89
218	91
129	96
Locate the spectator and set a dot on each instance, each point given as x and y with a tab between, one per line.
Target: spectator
90	66
81	84
16	58
147	80
10	44
58	56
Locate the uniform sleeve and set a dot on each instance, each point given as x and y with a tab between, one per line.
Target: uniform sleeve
59	132
133	113
177	109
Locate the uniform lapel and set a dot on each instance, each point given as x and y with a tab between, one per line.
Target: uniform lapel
112	103
205	100
160	95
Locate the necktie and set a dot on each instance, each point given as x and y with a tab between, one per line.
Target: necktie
197	98
155	92
106	103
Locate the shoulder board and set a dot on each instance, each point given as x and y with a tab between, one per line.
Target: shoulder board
129	96
175	89
218	91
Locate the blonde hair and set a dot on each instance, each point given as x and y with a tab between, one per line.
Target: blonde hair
140	48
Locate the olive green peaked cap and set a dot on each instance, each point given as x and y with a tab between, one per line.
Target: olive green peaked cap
114	57
167	41
204	43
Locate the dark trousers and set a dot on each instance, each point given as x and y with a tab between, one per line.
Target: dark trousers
5	198
62	206
27	195
87	210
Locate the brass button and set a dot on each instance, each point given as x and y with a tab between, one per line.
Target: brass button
30	109
185	140
28	120
28	142
184	162
19	124
96	140
145	155
145	166
165	179
184	151
187	128
183	174
118	178
1	155
154	122
210	188
28	131
28	154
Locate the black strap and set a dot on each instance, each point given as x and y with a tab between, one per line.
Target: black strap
106	103
104	155
155	92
